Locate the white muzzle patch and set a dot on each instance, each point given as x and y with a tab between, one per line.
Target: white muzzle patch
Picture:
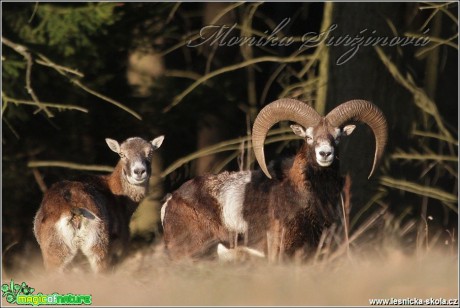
324	154
138	174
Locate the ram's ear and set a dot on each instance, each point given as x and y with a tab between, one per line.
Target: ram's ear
113	145
306	133
347	130
299	130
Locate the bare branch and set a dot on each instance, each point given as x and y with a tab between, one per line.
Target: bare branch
69	165
23	51
230	68
421	99
107	99
38	177
15	133
34	12
228	145
182	74
58	67
424	157
64	71
173	11
60	107
422	190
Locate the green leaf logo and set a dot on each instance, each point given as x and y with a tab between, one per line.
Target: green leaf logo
12	291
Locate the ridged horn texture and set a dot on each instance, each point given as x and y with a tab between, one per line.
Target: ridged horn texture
366	112
285	109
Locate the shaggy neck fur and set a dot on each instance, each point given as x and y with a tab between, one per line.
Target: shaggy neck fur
316	191
323	183
119	185
297	171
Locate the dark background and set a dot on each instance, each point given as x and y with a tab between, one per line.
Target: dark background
121	49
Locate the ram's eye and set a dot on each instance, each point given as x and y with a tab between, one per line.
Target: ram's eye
122	155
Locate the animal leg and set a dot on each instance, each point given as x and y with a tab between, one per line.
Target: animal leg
57	255
98	258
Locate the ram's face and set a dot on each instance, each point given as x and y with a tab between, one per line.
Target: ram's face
324	140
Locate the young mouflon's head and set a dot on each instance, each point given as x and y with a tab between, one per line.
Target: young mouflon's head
135	156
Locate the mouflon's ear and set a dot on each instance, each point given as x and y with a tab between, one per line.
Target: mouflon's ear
157	142
113	145
299	130
347	130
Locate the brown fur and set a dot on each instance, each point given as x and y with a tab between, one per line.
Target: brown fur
298	203
91	214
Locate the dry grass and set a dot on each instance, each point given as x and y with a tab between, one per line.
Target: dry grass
148	278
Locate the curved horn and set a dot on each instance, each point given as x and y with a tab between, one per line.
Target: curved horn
285	109
366	112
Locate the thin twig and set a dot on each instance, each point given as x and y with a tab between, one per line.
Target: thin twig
434	6
248	54
33	12
436	43
15	133
39	179
182	74
173	12
107	99
210	57
418	189
365	226
58	67
345	199
7	99
449	14
433	135
69	165
219	167
270	81
323	58
366	207
320	246
303	84
277	72
423	157
428	20
225	11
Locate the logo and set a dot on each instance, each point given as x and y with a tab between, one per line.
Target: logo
22	294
